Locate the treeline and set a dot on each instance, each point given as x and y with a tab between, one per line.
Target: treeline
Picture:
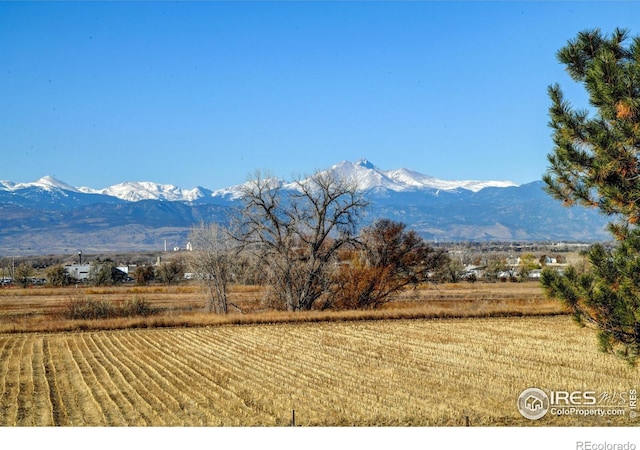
305	245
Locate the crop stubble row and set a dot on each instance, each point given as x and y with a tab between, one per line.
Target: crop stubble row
354	373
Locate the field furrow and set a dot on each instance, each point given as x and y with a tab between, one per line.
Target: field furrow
133	407
77	393
106	409
374	384
310	375
224	402
191	400
157	408
6	351
229	374
160	380
222	405
11	390
58	411
404	372
273	384
26	384
43	409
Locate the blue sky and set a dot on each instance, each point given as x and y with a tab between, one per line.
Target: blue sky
205	93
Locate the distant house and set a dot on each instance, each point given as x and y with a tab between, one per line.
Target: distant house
79	272
513	261
507	274
470	271
534	274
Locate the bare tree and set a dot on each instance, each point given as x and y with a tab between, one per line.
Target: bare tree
100	273
170	272
211	260
106	274
144	275
58	276
495	266
23	274
298	232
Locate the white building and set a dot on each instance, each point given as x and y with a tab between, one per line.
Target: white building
79	272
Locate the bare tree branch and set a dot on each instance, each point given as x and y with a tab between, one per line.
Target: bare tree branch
298	232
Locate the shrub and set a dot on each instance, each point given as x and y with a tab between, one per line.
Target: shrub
87	308
58	276
139	307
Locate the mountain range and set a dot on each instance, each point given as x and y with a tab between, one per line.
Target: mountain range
49	216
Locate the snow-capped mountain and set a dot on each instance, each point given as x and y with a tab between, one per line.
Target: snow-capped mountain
363	172
146	190
369	177
48	215
47	183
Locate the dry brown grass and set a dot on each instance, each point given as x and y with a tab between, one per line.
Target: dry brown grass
43	309
364	373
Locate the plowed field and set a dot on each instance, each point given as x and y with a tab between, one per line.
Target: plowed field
402	372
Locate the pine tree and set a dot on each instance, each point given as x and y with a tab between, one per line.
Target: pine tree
595	163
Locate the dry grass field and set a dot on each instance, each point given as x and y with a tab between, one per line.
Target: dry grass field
433	372
43	308
453	355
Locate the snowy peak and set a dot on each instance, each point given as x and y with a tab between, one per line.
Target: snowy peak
146	190
48	183
236	192
365	163
418	180
369	177
365	174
